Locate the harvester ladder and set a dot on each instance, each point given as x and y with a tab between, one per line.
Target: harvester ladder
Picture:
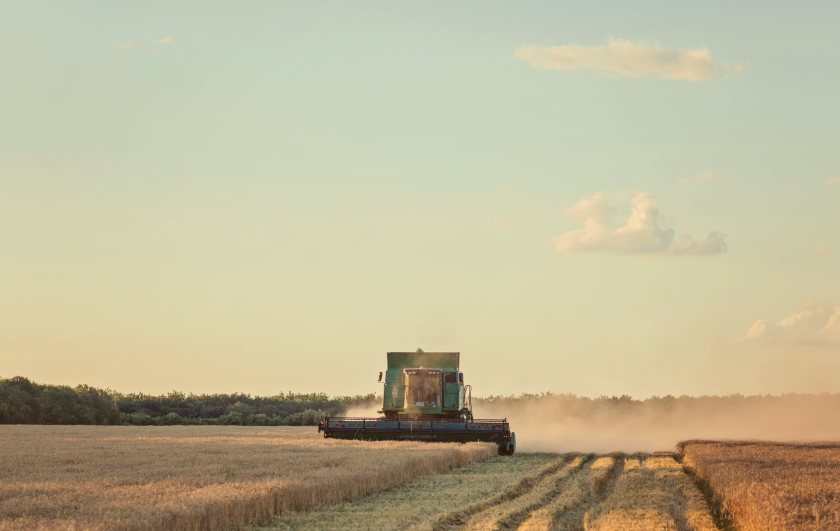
468	397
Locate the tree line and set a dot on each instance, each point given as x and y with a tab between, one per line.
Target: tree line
25	402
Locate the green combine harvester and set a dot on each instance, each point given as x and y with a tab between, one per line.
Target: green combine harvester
424	399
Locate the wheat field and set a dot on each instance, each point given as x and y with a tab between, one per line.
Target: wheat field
233	477
195	477
763	485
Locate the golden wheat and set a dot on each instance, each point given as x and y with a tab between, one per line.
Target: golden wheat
191	477
771	485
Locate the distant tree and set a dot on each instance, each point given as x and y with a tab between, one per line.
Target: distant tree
26	402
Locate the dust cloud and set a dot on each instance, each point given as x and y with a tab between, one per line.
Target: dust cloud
568	423
370	410
563	423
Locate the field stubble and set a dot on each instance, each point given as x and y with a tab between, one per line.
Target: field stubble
440	501
531	492
651	493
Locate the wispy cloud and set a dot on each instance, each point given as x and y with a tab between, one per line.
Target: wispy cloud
702	177
125	45
641	232
164	41
815	325
630	59
821	249
501	225
834	181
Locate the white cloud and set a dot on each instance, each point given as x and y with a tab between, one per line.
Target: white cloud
630	59
702	177
834	181
641	232
816	325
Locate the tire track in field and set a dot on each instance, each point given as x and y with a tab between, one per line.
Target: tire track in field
600	486
511	513
638	502
580	492
568	508
458	518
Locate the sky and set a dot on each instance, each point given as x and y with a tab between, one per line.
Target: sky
582	197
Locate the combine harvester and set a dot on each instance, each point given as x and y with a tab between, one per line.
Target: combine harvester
425	399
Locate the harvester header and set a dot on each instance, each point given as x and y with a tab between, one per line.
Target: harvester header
424	398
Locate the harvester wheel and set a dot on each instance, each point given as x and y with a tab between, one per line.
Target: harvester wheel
509	446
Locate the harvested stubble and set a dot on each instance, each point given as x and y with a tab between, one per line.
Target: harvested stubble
567	509
509	514
762	485
459	517
530	492
421	504
652	493
191	477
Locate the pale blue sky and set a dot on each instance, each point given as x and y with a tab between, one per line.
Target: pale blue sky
266	196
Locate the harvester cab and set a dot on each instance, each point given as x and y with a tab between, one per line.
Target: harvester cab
424	399
425	384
